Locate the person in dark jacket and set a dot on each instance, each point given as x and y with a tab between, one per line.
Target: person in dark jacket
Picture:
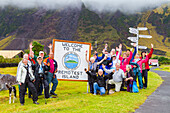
129	77
93	70
39	71
100	83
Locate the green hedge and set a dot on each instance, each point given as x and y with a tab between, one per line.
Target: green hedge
162	60
8	60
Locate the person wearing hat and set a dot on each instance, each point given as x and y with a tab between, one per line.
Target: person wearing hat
41	53
39	71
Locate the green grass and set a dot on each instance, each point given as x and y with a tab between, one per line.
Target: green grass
9	70
164	68
72	97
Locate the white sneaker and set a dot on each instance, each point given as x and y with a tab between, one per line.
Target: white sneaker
111	92
94	94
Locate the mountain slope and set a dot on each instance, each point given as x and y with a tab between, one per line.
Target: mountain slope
19	27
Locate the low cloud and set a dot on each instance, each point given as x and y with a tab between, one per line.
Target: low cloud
126	6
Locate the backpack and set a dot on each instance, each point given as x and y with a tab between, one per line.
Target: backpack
135	87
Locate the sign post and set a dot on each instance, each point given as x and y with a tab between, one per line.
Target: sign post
136	39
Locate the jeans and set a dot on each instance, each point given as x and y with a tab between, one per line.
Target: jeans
96	87
140	79
50	79
145	75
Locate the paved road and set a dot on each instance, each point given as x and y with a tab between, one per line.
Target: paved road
159	101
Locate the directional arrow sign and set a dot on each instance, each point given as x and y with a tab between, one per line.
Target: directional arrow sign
142	28
133	30
142	47
132	44
145	36
133	39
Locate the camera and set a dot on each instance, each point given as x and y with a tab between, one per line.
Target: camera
41	75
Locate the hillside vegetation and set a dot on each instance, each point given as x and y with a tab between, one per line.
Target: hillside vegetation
84	25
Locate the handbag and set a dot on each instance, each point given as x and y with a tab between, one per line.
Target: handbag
135	87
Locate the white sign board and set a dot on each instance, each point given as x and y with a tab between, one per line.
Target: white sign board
145	36
142	28
133	30
133	39
70	57
142	47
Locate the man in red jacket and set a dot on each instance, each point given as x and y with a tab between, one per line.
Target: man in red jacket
145	66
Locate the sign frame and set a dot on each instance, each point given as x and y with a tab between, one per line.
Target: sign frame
57	40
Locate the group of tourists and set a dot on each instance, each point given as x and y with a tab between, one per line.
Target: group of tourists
36	73
109	71
112	70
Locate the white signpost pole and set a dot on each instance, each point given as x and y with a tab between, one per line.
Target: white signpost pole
137	41
136	31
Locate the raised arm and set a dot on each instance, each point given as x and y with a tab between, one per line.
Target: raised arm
98	63
134	53
130	56
118	55
151	52
50	47
30	47
86	57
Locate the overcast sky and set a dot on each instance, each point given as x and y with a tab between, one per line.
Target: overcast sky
127	6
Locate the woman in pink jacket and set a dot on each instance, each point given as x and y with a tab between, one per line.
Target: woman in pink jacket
125	60
145	66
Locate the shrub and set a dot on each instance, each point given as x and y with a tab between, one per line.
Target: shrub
162	60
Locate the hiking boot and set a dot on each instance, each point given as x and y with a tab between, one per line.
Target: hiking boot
35	102
52	93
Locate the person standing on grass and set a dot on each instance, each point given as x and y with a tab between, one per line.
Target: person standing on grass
33	59
93	70
51	77
25	56
145	66
40	76
26	78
